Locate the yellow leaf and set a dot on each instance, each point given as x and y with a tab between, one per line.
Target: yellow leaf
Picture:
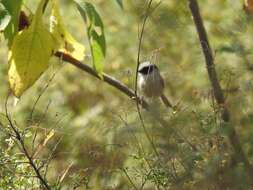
30	53
66	42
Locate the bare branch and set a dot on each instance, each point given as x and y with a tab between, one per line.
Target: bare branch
106	78
129	179
22	147
147	14
40	95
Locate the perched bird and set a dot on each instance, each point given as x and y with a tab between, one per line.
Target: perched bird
150	82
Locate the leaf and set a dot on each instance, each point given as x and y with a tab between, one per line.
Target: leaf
13	7
30	54
66	42
95	30
120	3
5	17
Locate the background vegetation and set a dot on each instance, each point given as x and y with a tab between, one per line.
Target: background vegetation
92	133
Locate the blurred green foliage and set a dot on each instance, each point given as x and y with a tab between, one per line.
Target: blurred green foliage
98	131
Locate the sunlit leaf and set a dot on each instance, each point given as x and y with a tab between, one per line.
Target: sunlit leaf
13	7
66	42
95	30
29	54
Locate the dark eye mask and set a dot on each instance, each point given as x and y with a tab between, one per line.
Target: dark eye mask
147	69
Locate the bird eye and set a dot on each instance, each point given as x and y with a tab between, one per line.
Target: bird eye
147	70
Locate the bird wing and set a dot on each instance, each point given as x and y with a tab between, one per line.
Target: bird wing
162	82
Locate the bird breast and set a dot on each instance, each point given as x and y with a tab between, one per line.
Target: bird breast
151	85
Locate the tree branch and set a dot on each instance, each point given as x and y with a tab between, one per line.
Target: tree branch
106	78
218	93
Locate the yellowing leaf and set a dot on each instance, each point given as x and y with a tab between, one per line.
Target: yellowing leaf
30	54
66	42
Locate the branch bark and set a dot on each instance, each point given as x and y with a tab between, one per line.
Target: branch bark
218	93
105	77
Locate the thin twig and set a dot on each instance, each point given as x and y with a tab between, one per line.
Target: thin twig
105	77
146	179
40	95
22	147
129	179
38	126
49	159
147	14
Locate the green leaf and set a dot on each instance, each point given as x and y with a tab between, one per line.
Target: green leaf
5	17
120	2
95	30
66	42
13	7
30	54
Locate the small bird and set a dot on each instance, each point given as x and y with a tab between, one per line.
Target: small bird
150	82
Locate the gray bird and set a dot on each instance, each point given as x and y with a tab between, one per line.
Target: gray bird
150	82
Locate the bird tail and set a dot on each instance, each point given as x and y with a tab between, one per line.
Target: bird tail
166	101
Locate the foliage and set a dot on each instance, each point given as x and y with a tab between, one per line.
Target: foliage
27	61
5	17
95	31
83	134
65	40
13	10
